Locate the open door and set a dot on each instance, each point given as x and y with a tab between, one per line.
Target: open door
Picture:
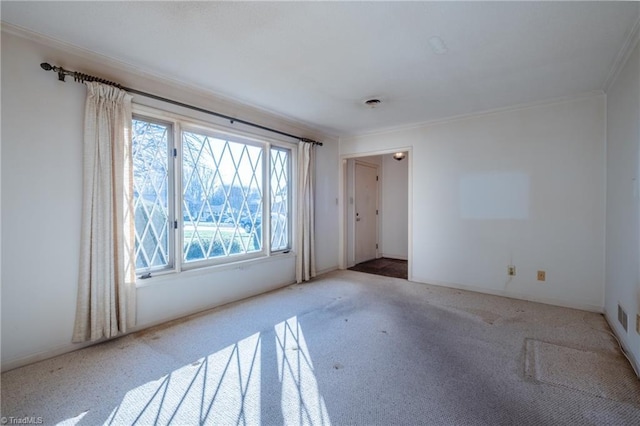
366	212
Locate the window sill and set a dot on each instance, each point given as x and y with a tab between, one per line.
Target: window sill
162	276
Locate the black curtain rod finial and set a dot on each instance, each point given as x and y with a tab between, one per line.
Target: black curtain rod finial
48	67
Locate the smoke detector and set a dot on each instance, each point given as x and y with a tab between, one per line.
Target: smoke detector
372	103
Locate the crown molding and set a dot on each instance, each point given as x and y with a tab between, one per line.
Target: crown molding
472	115
229	105
623	55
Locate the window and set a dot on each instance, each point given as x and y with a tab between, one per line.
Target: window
279	199
219	211
150	151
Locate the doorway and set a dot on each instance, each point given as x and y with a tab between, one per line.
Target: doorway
375	232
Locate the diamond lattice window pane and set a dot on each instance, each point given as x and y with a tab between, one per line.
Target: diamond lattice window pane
150	184
279	199
222	197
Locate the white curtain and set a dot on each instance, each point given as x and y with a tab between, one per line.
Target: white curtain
305	232
106	287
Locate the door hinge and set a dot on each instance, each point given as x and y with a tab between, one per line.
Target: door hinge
175	224
376	178
175	152
376	211
376	247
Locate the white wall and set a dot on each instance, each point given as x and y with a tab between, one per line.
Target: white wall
41	202
623	202
395	207
523	187
326	206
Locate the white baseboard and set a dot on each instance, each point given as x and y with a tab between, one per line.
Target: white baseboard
327	270
512	295
41	356
394	256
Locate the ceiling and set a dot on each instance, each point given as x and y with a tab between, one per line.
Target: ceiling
317	62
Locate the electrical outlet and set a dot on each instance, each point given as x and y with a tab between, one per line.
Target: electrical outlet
542	275
511	270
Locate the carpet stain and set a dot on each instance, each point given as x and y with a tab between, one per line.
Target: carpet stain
383	331
487	317
338	366
516	320
142	334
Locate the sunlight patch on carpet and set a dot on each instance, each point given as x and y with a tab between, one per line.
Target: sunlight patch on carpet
599	374
222	388
302	403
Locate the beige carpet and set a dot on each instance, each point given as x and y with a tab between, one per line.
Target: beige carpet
347	348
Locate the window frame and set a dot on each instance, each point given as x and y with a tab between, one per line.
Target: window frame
227	137
171	172
213	129
290	198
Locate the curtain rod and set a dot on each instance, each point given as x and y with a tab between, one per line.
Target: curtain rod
81	78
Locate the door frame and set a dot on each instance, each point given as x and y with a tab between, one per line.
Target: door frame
343	203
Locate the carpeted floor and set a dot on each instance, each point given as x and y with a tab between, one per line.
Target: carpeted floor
346	349
395	268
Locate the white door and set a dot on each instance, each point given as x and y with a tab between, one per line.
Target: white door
366	211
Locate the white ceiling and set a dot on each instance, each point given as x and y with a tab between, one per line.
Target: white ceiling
318	62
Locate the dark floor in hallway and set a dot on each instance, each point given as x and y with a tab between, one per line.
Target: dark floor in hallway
384	266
